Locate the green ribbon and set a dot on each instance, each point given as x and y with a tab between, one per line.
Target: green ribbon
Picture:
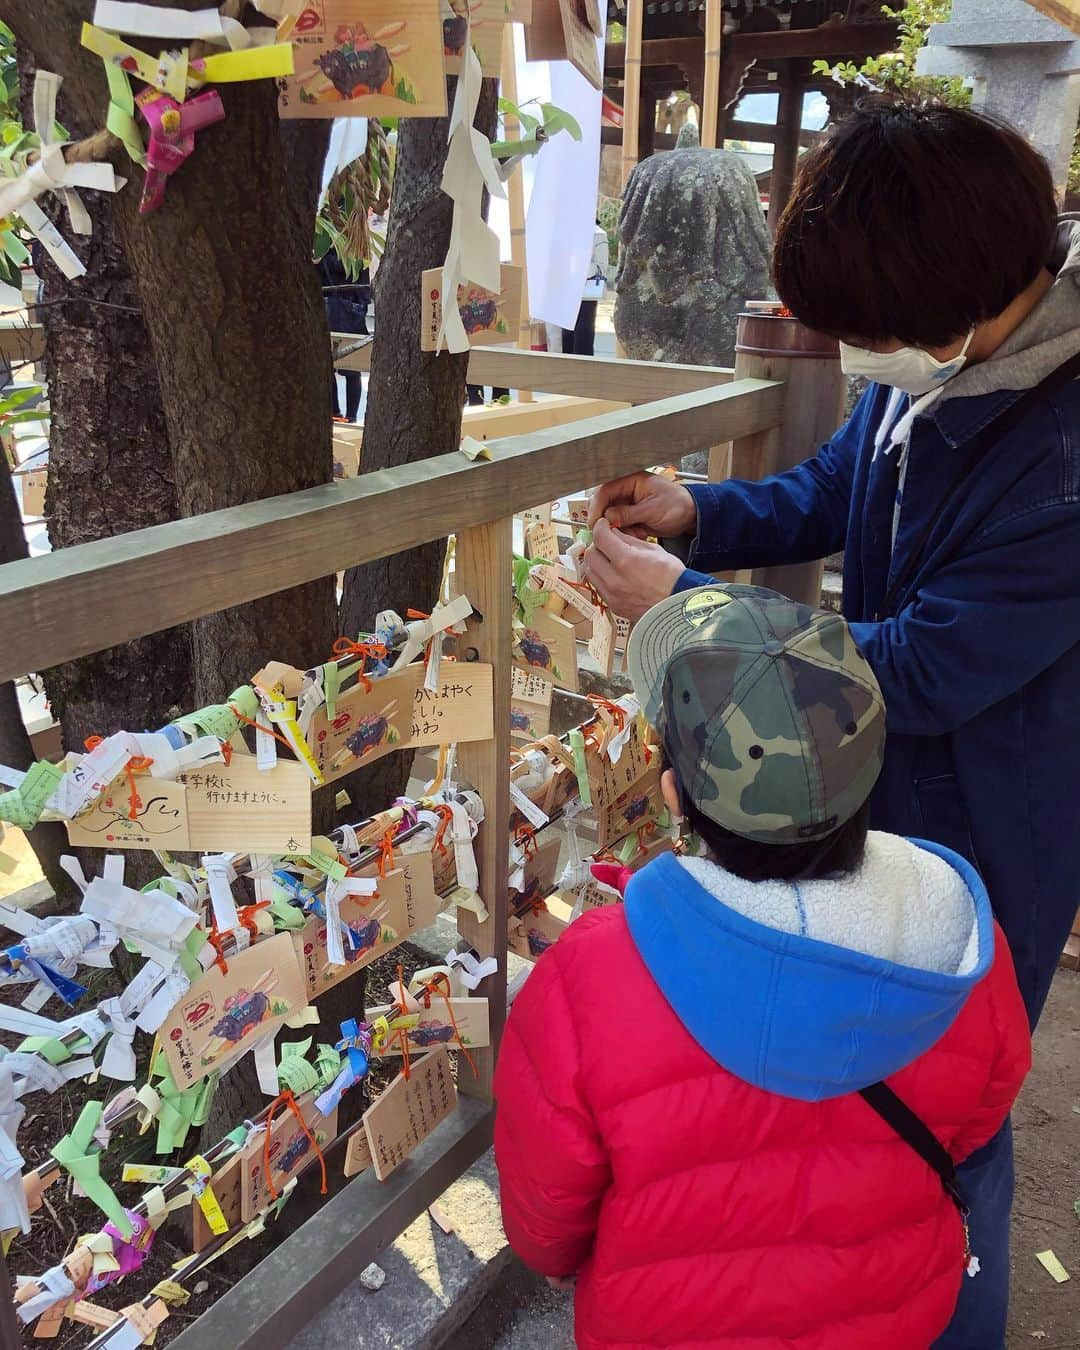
298	1074
220	719
581	768
331	687
23	805
180	1111
324	863
288	918
120	119
51	1048
74	1156
528	599
189	954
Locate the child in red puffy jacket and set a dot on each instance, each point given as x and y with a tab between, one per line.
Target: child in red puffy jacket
731	1107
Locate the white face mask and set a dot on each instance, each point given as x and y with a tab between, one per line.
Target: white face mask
910	368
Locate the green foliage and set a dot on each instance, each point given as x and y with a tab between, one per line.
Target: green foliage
607	216
535	131
1074	165
894	72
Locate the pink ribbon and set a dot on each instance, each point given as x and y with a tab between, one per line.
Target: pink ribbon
130	1252
172	136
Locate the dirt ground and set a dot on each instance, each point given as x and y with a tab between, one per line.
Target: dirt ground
1047	1129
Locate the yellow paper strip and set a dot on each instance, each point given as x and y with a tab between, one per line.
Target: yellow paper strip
208	1202
1052	1266
253	63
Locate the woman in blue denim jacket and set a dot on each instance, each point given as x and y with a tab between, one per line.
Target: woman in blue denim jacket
926	239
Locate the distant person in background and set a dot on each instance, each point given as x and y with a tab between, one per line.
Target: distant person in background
346	312
581	339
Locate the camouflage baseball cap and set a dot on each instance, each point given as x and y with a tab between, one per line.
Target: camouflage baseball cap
771	717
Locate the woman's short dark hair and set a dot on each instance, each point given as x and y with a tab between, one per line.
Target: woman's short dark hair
913	221
838	853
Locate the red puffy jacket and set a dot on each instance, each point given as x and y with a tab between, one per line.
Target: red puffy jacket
701	1210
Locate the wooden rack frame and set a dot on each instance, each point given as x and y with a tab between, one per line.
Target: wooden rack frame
80	600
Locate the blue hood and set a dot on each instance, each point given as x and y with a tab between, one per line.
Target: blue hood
790	1014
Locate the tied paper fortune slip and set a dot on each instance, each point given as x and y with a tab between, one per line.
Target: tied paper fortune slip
366	58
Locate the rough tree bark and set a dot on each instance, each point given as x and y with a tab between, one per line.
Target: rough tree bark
109	469
415	398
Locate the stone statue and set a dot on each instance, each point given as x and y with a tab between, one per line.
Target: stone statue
694	249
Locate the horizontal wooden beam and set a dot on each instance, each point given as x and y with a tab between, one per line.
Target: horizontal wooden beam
833	41
1064	12
78	600
585	376
20	342
291	1285
763	132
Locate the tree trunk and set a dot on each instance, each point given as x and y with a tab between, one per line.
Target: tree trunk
415	400
109	469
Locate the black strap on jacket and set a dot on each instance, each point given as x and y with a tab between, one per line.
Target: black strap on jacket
914	1132
980	443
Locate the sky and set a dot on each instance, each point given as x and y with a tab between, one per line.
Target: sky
762	108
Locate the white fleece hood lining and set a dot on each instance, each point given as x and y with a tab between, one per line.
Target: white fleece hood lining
903	904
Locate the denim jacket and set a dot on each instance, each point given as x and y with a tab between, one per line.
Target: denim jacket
980	663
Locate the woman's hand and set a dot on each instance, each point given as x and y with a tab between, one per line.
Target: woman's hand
642	504
629	573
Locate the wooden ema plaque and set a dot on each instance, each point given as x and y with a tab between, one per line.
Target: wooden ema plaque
409	1109
639	806
290	1151
238	807
34	483
541	541
530	705
547	646
222	1012
435	1026
225	1183
399	712
357	1153
531	935
348	442
235	807
488	316
566	30
540	869
378	923
366	58
488	19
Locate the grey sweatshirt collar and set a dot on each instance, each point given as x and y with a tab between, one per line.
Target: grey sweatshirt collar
1046	339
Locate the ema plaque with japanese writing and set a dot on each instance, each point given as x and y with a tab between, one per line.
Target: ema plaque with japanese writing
238	807
409	1110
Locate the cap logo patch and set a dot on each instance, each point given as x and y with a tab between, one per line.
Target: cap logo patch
701	605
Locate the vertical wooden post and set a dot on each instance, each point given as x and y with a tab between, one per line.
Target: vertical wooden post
483	569
516	193
10	1335
786	149
769	346
635	10
710	103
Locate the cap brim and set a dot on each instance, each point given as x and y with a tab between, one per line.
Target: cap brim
654	640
